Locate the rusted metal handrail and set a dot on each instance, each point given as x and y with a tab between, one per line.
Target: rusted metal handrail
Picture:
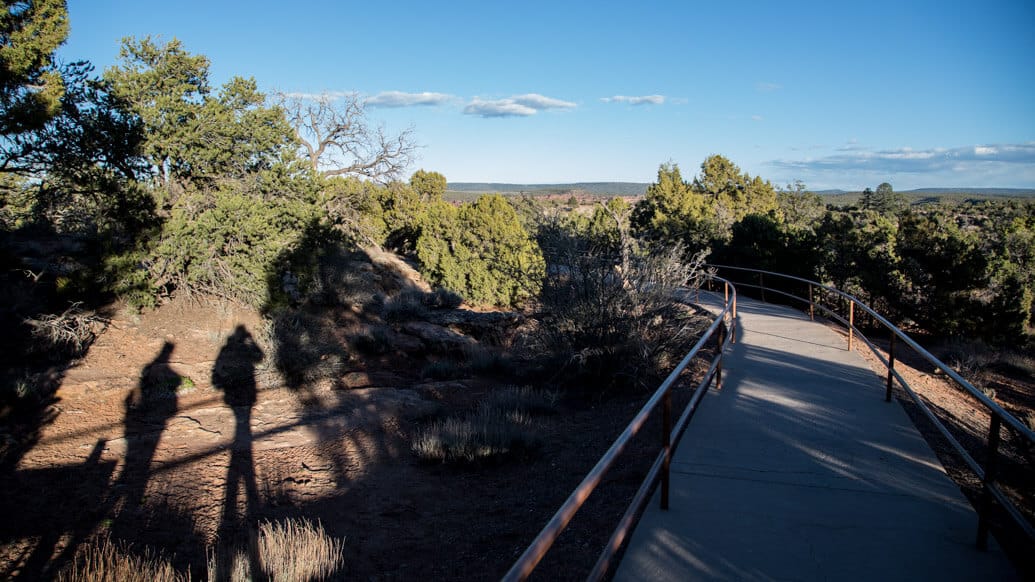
998	415
724	322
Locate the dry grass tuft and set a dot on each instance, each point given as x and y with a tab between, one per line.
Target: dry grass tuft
296	550
500	428
108	562
299	550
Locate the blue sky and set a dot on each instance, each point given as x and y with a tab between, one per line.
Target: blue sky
836	94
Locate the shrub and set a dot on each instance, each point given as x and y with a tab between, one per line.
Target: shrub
408	305
376	340
72	331
443	299
609	318
303	346
228	243
106	562
481	251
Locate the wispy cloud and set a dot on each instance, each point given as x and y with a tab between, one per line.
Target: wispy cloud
757	118
400	99
916	161
767	87
986	159
324	96
516	106
635	100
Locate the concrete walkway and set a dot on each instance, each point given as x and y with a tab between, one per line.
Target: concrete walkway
798	470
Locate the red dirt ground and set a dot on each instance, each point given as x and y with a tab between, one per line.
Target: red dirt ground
184	471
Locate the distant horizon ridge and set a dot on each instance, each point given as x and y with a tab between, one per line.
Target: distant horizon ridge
639	188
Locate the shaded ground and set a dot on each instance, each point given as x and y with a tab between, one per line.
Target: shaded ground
173	433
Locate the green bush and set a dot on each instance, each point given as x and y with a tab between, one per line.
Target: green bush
231	244
480	251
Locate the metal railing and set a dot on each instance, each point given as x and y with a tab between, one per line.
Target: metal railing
723	330
999	418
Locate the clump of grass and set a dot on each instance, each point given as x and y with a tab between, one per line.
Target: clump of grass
483	436
406	306
288	551
105	561
1016	364
442	298
298	549
523	399
500	428
479	359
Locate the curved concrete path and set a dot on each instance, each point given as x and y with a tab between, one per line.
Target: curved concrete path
798	470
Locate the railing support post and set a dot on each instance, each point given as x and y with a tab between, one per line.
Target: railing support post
991	466
666	444
725	293
891	367
721	336
761	286
851	324
812	312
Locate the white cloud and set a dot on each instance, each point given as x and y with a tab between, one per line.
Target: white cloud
757	118
765	87
635	100
400	99
324	96
517	106
1004	160
539	102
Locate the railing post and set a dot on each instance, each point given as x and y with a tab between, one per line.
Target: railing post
991	466
718	369
761	286
733	321
812	313
891	367
851	323
666	444
725	293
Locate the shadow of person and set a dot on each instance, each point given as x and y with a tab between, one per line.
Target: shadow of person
234	375
148	409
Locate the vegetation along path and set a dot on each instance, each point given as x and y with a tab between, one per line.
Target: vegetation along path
798	470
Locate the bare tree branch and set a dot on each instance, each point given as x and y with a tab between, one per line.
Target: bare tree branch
335	134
